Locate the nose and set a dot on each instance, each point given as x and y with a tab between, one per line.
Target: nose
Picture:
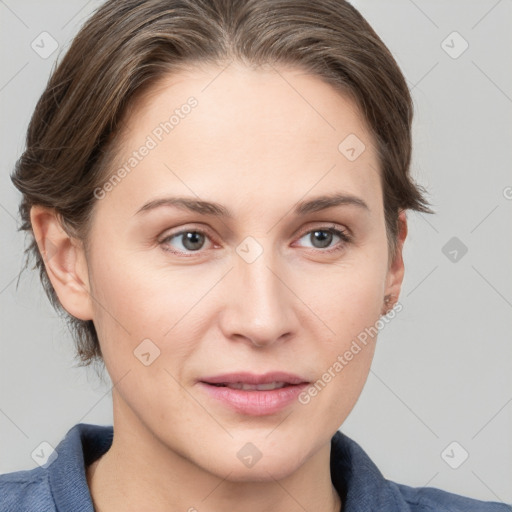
260	306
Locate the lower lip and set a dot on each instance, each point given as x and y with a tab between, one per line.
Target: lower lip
254	403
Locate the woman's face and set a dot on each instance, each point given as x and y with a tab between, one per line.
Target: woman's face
257	284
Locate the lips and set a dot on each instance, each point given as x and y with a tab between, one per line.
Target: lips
252	394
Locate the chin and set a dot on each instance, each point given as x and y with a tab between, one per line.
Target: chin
248	463
261	472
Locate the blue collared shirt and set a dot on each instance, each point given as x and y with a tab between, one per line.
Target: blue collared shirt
61	484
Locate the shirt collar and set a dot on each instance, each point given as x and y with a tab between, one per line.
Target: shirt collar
360	484
83	444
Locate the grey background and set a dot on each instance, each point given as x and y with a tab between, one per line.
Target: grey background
442	369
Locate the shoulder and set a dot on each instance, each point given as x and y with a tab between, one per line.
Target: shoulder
430	499
59	484
363	487
23	491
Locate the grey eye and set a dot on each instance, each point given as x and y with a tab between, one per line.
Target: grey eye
190	240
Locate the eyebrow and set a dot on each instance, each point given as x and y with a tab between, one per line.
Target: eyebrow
217	210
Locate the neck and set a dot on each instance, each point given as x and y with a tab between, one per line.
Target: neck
140	473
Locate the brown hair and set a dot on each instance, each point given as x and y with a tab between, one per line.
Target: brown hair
128	45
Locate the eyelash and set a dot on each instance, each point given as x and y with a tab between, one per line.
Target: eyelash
345	237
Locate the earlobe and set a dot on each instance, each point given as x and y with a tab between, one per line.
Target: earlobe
396	269
64	260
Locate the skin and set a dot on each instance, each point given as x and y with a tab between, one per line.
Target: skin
257	146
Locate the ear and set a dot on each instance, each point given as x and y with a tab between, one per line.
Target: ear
396	267
65	262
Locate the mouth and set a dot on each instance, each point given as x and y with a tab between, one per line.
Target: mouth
253	387
253	381
253	394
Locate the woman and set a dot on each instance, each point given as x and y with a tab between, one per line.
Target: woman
217	194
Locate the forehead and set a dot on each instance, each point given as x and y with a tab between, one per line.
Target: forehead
272	132
262	101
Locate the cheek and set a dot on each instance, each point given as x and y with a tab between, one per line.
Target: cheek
138	301
131	304
349	302
347	297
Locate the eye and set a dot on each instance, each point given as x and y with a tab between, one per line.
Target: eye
191	240
322	238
